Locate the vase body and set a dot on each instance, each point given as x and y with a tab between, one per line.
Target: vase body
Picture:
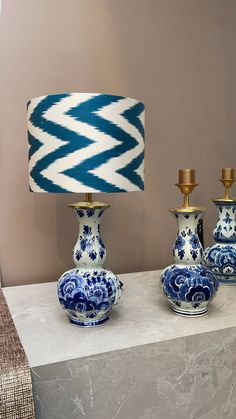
221	257
188	284
89	291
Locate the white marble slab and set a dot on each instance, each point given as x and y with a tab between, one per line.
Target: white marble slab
142	317
186	378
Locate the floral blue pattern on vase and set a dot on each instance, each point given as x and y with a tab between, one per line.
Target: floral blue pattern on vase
88	292
187	246
189	287
188	284
221	257
88	296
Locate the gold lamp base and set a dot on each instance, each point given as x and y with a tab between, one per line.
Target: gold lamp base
186	185
89	203
227	179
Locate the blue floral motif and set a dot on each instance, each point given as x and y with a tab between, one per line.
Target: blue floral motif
100	242
219	228
101	253
90	212
88	293
225	231
86	244
194	284
221	236
222	260
194	253
181	253
78	255
198	295
93	255
70	283
179	246
80	213
87	230
101	212
194	241
227	218
179	243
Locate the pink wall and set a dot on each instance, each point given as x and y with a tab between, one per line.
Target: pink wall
178	57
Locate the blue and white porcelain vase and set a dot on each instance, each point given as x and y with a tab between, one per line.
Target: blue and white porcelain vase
88	292
188	284
221	257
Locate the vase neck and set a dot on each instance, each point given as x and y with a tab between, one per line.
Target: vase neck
188	220
89	250
187	249
225	229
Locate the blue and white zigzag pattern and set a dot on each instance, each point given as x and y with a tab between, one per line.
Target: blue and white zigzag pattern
83	142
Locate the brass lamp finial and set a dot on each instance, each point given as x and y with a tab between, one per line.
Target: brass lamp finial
89	198
227	178
186	184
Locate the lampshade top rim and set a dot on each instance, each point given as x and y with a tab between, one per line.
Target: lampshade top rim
84	93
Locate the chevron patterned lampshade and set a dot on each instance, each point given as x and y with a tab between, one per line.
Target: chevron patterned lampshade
86	142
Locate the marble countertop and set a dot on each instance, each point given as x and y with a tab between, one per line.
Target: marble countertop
142	317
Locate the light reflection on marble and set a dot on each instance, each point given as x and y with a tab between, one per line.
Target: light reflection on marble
142	317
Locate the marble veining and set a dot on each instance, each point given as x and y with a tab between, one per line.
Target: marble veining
194	376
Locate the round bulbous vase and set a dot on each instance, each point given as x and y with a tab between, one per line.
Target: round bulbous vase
88	292
188	285
221	257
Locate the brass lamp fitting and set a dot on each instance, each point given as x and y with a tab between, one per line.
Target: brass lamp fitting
186	185
228	179
89	198
89	203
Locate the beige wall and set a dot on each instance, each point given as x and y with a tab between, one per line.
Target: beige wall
178	57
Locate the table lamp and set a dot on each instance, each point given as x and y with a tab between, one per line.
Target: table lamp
89	143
